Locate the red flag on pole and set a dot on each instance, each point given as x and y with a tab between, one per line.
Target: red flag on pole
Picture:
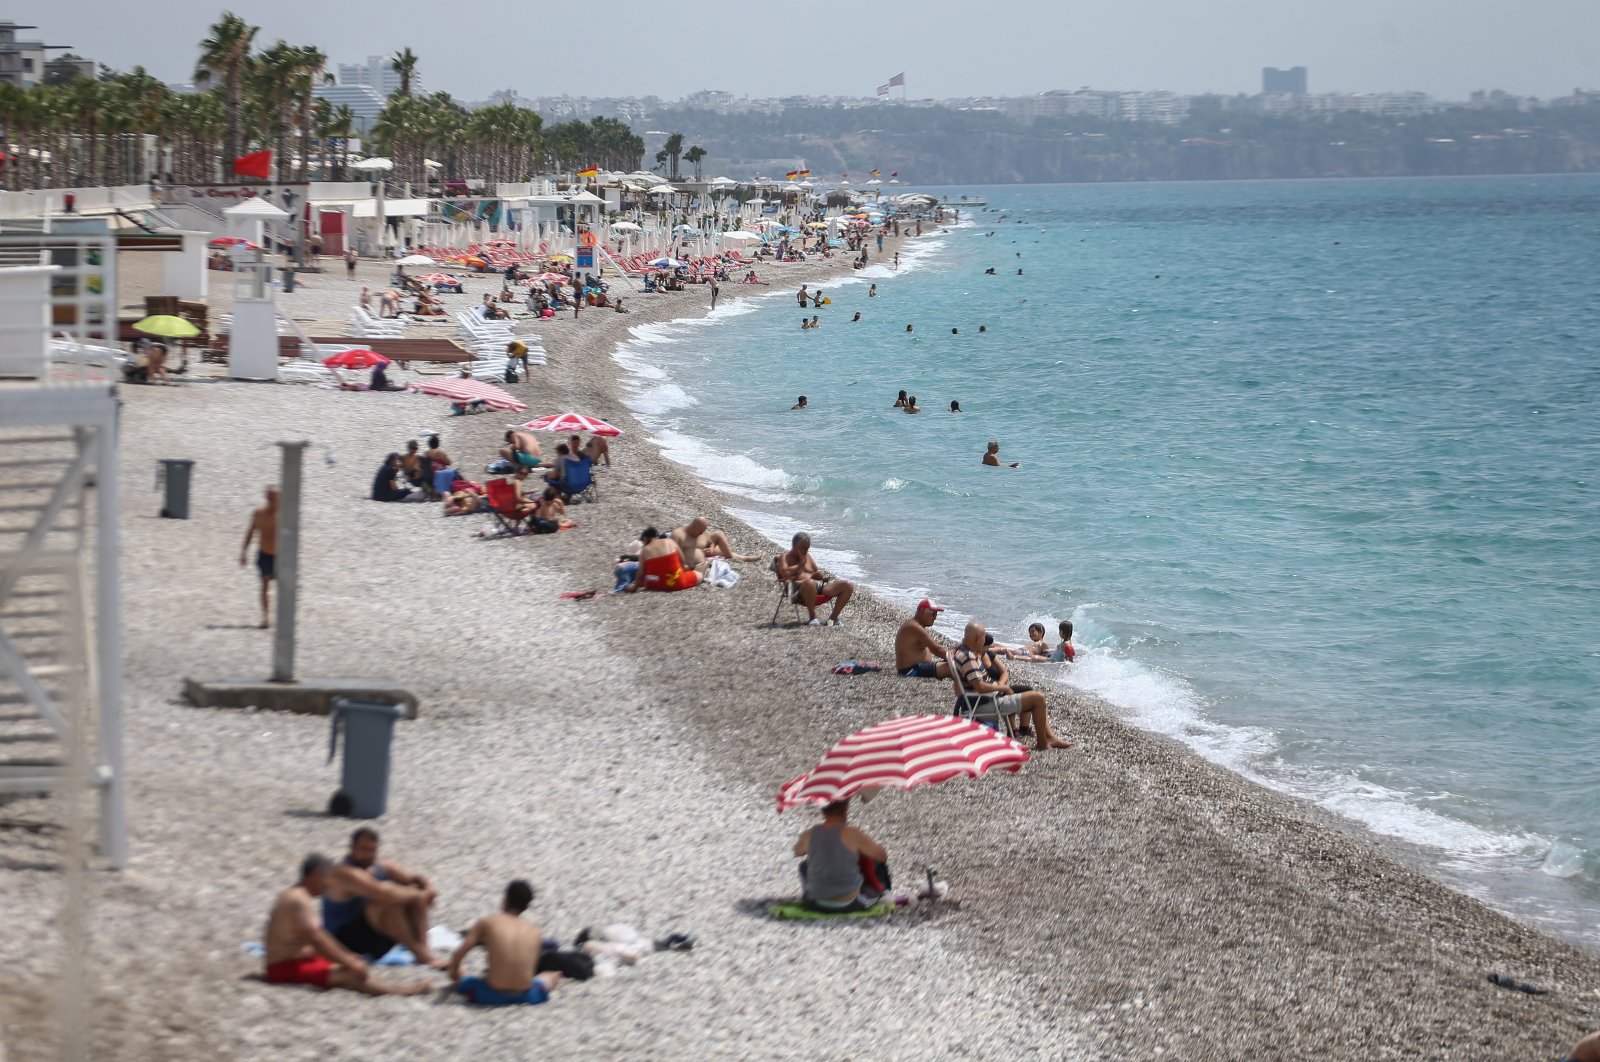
256	164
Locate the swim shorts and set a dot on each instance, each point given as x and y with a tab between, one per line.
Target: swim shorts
267	564
310	970
527	460
359	936
477	990
922	669
822	598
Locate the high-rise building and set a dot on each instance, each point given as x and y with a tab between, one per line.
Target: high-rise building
378	74
363	101
1291	81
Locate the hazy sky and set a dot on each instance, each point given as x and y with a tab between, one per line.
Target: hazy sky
630	47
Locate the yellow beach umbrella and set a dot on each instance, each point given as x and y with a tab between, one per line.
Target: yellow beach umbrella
167	326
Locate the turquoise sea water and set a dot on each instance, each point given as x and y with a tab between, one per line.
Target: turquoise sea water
1314	467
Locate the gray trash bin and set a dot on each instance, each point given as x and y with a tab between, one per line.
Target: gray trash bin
368	731
175	474
288	279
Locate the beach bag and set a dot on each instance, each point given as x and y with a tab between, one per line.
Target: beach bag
511	375
500	467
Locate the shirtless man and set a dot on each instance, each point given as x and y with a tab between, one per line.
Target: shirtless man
917	653
373	904
513	947
698	543
813	586
596	449
991	456
301	952
522	448
264	528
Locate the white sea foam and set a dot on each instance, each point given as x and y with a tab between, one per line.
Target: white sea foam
734	473
1167	704
660	399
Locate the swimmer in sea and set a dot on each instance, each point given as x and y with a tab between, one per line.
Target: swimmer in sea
872	291
900	403
983	328
856	318
908	328
991	457
815	323
955	331
1019	272
911	405
989	272
799	405
955	407
805	322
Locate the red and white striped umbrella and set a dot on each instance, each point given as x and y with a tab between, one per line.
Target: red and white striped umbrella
904	753
570	423
461	389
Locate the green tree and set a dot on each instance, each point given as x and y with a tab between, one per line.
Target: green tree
225	55
694	156
404	63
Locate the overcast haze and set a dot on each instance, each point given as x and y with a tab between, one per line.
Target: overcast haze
1447	48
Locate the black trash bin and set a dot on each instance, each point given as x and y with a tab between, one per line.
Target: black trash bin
175	474
368	733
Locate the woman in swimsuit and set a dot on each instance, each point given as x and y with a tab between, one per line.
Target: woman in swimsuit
661	568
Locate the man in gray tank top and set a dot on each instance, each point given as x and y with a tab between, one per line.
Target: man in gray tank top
843	868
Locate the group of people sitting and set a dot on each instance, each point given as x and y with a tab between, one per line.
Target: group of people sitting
678	560
979	666
329	927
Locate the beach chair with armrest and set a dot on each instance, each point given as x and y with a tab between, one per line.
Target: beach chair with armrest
979	707
786	592
502	495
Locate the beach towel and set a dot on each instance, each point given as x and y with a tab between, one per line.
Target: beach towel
797	911
722	575
856	667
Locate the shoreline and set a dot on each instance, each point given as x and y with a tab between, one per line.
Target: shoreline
1126	897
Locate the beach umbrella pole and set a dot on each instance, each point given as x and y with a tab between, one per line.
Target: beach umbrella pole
288	566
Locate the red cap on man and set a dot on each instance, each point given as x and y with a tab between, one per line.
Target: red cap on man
929	605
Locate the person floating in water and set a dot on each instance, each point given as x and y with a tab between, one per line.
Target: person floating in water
805	322
955	407
908	328
856	318
992	456
911	405
900	402
955	331
1019	272
983	328
989	272
801	404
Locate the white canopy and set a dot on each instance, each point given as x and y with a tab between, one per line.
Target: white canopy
740	236
626	226
373	165
255	207
663	189
585	197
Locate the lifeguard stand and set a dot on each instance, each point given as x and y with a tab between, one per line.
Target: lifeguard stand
60	598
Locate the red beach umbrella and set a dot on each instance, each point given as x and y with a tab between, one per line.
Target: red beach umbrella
904	753
568	423
231	241
462	389
355	359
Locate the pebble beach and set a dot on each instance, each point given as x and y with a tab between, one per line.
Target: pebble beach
1123	899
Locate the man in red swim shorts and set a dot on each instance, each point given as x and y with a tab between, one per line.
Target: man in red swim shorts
301	952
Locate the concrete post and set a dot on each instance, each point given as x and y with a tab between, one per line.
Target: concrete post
288	566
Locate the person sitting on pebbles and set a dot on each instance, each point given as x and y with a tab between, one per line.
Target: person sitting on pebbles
842	868
699	543
300	951
372	904
513	947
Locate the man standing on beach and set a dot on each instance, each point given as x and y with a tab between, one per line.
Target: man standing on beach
350	263
264	529
513	947
715	291
917	653
301	952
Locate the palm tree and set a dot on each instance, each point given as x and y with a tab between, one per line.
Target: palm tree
671	152
273	78
308	75
226	54
404	63
693	157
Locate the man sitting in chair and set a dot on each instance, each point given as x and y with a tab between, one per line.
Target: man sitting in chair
812	585
842	869
972	666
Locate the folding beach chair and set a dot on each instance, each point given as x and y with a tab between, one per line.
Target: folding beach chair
786	593
979	707
577	482
502	495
